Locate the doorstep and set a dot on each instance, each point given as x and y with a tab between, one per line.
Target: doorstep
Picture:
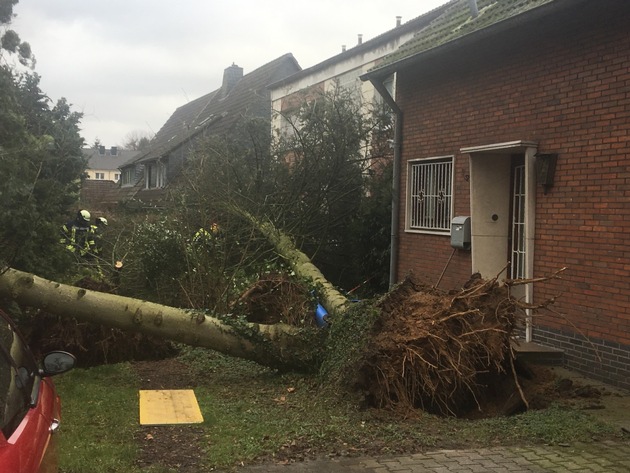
536	353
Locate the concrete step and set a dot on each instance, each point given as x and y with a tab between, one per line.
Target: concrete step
535	353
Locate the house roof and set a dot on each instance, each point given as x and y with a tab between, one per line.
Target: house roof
217	112
99	194
110	160
408	27
457	25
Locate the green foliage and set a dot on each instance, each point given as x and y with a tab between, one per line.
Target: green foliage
156	261
174	260
10	41
41	151
346	345
369	236
322	182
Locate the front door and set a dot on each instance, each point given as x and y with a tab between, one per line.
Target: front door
502	197
502	203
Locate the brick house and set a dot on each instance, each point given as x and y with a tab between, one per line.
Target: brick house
492	98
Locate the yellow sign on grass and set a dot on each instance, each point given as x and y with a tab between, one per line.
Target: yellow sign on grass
163	407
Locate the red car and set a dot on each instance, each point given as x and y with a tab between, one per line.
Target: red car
29	404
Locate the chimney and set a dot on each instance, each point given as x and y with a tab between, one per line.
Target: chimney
398	21
231	76
343	48
114	151
360	38
474	11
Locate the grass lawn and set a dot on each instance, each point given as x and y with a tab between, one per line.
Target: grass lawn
252	413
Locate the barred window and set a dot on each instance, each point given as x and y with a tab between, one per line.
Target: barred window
429	194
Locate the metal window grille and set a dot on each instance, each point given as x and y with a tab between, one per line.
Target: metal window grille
517	257
430	186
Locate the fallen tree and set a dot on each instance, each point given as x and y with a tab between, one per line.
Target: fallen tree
416	347
277	345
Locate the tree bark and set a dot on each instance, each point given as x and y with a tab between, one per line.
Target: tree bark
277	346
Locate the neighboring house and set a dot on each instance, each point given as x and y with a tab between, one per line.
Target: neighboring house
218	113
104	163
342	70
493	98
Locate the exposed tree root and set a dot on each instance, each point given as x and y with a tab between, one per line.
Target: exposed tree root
441	352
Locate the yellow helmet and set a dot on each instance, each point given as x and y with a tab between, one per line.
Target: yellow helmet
84	215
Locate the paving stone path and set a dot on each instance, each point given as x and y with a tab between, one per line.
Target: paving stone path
604	457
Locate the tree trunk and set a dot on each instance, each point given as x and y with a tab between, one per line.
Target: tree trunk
333	300
277	346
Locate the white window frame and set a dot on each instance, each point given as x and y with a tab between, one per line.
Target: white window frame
160	175
99	176
128	176
435	173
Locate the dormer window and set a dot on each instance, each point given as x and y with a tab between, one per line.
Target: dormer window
155	175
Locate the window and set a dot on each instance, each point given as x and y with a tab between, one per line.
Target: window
99	175
18	374
128	176
517	251
429	194
116	176
155	175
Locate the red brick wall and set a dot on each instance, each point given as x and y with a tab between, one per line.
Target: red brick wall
569	91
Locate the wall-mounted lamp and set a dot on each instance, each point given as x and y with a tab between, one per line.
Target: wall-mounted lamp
546	169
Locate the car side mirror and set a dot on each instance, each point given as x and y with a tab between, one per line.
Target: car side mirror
57	362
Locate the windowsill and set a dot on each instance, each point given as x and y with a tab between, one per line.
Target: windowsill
428	232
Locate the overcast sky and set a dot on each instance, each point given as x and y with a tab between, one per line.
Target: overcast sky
128	64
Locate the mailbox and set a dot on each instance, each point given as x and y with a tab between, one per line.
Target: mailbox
460	233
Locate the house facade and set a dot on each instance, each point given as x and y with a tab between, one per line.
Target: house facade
514	161
342	70
104	163
218	113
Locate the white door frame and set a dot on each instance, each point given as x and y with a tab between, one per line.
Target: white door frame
489	206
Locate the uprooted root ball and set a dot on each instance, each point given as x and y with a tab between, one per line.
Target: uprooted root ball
440	352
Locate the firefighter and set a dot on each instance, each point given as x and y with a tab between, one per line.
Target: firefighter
206	237
76	235
97	235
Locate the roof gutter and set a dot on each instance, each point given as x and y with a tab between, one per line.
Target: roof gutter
395	219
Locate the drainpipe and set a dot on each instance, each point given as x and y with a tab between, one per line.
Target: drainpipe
393	258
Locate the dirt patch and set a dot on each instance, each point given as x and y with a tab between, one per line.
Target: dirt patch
173	446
